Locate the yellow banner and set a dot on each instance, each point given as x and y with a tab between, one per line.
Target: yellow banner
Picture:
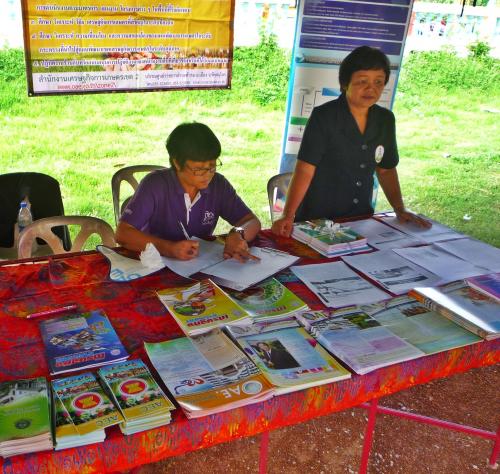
99	45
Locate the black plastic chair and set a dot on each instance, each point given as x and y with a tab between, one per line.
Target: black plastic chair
44	194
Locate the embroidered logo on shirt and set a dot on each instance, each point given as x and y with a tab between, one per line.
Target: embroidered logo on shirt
208	218
379	153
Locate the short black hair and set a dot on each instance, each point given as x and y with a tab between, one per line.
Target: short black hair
192	141
362	58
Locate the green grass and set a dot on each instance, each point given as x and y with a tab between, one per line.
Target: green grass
449	143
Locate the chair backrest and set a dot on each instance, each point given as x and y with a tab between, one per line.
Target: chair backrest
277	187
127	174
43	229
45	197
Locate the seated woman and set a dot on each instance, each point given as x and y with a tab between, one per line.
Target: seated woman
345	141
186	200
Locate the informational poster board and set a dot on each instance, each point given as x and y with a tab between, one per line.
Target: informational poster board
326	31
133	45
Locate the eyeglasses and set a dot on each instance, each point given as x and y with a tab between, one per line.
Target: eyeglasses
204	171
377	83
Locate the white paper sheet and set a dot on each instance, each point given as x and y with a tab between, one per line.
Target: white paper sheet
474	251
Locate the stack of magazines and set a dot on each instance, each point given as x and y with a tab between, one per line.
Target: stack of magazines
328	238
207	374
139	398
24	417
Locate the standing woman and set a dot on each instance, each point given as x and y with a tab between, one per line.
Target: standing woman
345	141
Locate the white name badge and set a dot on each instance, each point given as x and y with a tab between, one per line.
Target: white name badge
379	153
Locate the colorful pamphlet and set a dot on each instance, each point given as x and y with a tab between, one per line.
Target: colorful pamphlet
86	403
24	417
328	238
202	306
487	284
268	300
137	395
471	309
291	359
359	340
208	374
80	341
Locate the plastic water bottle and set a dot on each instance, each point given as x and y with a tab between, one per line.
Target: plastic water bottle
24	218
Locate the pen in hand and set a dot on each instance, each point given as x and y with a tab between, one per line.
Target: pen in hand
54	311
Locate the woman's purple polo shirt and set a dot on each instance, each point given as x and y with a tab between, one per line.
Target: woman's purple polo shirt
158	205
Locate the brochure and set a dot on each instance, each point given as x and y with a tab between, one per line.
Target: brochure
202	306
391	271
328	238
291	359
336	285
487	284
137	395
463	305
87	404
474	251
208	374
267	300
24	417
359	340
80	341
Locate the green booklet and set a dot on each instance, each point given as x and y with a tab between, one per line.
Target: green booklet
268	300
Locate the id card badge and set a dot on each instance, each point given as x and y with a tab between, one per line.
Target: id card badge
379	154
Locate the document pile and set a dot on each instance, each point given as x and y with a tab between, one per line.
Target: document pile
208	374
328	238
139	398
24	417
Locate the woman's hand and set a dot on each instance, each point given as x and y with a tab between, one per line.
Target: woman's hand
184	249
410	217
236	247
283	226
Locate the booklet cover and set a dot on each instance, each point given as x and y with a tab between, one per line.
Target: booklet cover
24	417
463	305
135	391
87	404
208	374
268	300
359	340
80	341
201	307
487	284
291	359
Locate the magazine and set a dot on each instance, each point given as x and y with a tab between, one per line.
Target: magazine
336	285
394	273
487	284
463	305
86	403
420	326
24	417
80	341
267	300
328	238
201	307
208	374
137	395
359	340
291	359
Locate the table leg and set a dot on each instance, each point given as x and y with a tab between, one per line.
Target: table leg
264	450
370	428
496	449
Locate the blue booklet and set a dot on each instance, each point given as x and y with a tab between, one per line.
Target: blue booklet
80	341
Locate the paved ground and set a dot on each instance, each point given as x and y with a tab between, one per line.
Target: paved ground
333	444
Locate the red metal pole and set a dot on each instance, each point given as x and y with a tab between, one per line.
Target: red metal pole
370	428
496	449
264	450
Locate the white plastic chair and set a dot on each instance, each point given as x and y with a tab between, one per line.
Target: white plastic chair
277	187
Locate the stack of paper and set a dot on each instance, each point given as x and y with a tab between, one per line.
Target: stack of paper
80	341
291	359
208	374
487	284
268	301
83	410
24	417
328	238
201	307
139	398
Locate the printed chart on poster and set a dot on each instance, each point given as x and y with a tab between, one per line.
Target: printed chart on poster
326	32
100	46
